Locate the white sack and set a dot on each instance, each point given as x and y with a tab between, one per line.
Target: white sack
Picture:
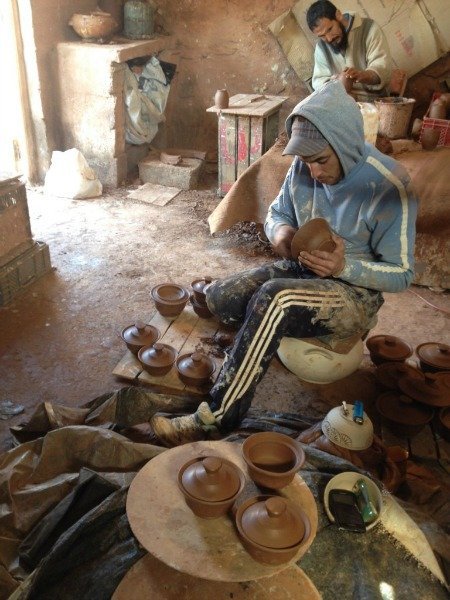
70	176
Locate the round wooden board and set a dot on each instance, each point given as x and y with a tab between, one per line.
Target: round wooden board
205	548
150	579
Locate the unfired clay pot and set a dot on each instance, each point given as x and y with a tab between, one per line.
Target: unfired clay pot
313	235
95	26
158	359
272	458
138	335
221	99
402	415
434	357
388	348
198	286
195	368
272	528
210	485
169	298
200	309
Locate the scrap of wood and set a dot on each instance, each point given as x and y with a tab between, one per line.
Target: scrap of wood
152	193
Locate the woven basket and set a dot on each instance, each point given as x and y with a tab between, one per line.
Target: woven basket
395	115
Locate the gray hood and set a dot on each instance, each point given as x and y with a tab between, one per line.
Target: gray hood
338	118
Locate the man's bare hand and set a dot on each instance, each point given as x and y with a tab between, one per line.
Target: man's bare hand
325	264
366	77
283	239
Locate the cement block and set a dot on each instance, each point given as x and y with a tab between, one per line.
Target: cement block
184	176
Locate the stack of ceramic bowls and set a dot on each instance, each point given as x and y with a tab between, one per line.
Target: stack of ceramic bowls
198	297
272	528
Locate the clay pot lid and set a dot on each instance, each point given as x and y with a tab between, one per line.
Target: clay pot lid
158	355
402	409
389	373
140	334
389	347
313	235
196	365
273	522
435	354
211	479
198	284
432	389
170	293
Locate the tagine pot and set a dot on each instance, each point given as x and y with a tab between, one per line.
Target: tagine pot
158	359
388	348
139	335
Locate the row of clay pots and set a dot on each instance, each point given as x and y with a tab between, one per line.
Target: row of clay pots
434	357
272	528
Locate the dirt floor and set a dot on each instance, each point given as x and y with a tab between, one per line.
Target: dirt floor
60	339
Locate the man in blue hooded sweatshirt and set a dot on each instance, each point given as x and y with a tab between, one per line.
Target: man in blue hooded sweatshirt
366	198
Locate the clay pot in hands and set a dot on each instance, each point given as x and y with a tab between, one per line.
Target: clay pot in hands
195	368
139	335
388	348
272	528
210	485
347	82
221	99
158	359
272	458
429	138
313	235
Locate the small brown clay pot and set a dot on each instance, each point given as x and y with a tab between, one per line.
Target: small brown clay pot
313	235
221	98
158	359
402	415
200	309
388	348
210	485
198	286
429	138
139	335
272	458
272	528
195	368
169	298
434	357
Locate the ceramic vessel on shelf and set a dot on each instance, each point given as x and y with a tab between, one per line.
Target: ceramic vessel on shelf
272	458
221	99
195	368
388	348
434	357
96	26
169	298
313	235
402	415
340	428
210	485
347	481
389	373
272	528
158	359
433	389
137	19
138	335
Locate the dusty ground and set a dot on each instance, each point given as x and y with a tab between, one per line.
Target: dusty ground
60	339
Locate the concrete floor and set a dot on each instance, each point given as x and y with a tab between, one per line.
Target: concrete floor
59	341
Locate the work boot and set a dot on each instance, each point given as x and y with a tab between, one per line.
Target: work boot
182	430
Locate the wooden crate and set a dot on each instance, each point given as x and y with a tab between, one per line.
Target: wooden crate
15	228
246	130
185	333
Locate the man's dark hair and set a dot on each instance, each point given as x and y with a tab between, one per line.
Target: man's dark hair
322	9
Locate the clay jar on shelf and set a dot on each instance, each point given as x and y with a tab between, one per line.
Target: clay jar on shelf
272	458
221	99
210	485
139	335
272	528
313	235
96	26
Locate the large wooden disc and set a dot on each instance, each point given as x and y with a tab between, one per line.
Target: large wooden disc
209	549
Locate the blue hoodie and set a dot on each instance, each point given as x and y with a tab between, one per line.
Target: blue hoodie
373	208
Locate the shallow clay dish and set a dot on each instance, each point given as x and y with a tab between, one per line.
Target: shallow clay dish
272	458
210	485
402	415
434	357
169	298
158	359
139	335
272	528
313	235
388	348
195	368
433	389
389	374
340	428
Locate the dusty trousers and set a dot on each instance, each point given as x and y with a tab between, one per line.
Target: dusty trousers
279	300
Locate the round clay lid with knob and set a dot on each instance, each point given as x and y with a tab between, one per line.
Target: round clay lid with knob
435	354
140	333
158	355
211	479
402	409
432	389
389	347
198	284
273	522
196	365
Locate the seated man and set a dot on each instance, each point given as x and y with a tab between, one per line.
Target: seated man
366	198
351	45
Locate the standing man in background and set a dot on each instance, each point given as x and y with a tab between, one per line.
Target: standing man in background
352	45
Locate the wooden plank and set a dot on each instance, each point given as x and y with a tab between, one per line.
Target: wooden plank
243	150
256	139
152	193
270	131
227	152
